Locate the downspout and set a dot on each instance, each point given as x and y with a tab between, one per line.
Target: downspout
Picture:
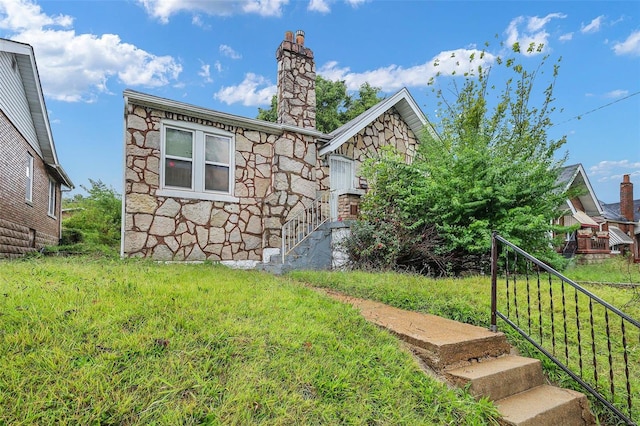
124	174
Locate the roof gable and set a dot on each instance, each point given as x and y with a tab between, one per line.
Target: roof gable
401	100
575	176
26	64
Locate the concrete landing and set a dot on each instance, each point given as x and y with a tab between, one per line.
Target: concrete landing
440	342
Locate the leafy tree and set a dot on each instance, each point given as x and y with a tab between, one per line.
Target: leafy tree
484	168
271	113
95	220
334	106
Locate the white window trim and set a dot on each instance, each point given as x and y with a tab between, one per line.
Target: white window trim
51	209
197	190
29	175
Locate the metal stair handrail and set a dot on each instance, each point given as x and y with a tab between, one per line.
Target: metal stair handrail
571	326
300	226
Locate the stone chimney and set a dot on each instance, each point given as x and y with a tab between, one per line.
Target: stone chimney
296	82
626	198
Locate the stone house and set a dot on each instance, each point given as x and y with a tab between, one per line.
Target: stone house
206	185
31	177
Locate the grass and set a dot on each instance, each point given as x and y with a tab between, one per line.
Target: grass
467	300
95	341
616	270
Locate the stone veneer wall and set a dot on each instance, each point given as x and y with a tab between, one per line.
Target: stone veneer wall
294	183
388	129
167	228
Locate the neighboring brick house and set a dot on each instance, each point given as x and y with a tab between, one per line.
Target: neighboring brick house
30	174
605	229
207	185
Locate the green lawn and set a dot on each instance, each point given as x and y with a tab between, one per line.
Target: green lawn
616	270
87	341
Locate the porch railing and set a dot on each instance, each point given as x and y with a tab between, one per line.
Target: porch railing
299	227
595	343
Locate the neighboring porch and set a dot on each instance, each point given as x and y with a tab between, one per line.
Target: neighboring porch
591	241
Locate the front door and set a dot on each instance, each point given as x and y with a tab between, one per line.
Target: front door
341	176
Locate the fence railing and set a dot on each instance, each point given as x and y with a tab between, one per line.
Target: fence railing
299	227
592	341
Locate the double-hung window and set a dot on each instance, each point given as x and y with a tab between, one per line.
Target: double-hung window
52	198
29	179
197	162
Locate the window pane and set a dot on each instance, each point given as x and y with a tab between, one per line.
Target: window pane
179	143
177	173
216	178
217	149
29	178
52	198
341	174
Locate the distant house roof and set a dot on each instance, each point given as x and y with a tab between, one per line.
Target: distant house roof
28	70
401	100
612	212
575	176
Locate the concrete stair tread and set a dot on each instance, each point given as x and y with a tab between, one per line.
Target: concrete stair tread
499	377
545	405
442	342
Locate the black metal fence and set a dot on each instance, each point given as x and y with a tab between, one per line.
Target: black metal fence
592	341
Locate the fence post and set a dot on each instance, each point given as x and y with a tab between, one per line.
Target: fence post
494	280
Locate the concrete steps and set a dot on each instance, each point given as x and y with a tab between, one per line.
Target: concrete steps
473	357
314	253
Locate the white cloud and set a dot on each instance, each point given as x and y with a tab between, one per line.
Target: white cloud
218	66
198	22
530	30
566	37
631	46
606	170
205	73
394	77
20	15
164	9
253	91
77	67
229	52
615	94
593	26
264	7
319	6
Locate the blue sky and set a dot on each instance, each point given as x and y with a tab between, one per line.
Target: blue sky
221	55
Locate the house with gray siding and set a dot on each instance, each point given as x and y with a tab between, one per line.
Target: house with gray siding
31	177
